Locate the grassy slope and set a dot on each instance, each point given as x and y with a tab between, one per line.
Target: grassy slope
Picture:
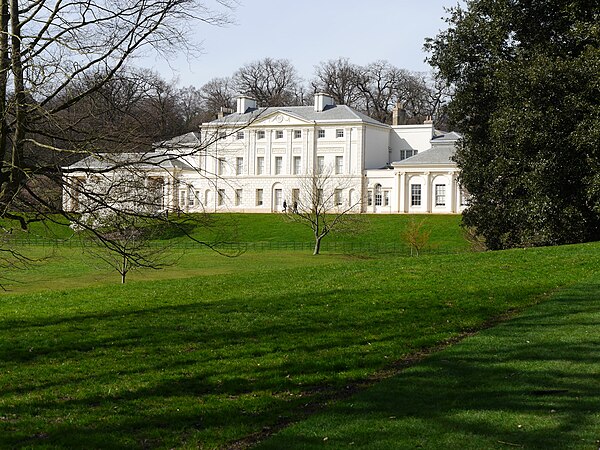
532	382
209	360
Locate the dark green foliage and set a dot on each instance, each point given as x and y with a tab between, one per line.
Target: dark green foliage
526	77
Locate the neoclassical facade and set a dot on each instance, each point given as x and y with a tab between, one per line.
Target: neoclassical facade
260	159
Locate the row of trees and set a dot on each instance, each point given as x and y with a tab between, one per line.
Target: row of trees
373	89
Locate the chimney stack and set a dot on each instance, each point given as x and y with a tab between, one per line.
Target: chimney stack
224	112
322	101
245	103
398	115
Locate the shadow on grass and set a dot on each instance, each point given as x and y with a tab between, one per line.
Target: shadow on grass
532	382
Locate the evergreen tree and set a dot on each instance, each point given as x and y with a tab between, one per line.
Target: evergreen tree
526	82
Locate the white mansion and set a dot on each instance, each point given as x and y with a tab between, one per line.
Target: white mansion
259	159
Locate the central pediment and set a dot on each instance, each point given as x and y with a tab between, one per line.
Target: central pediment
282	118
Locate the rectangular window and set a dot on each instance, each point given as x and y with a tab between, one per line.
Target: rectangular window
221	166
415	195
279	134
319	197
407	154
238	197
465	198
222	135
337	197
278	165
221	196
339	133
378	196
191	197
321	134
440	195
386	198
339	165
297	165
260	165
239	135
295	197
297	134
320	164
260	134
259	197
369	198
239	165
182	197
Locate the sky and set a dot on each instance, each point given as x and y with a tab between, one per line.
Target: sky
307	32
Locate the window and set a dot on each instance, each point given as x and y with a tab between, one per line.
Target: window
407	154
378	195
238	197
339	164
239	135
337	197
239	165
297	165
260	134
415	195
182	196
295	197
278	165
465	198
260	165
222	135
221	196
320	164
278	199
386	198
440	195
369	198
221	166
279	134
339	133
259	197
319	197
321	134
191	197
297	134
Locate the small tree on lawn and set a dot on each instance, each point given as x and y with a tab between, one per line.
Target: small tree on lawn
416	236
321	205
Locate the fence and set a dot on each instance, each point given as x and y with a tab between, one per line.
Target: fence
326	246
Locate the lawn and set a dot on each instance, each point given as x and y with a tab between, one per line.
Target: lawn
233	350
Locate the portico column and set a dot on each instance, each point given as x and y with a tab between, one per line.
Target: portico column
452	192
427	192
402	192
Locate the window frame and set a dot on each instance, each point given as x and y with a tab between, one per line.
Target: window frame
440	193
416	192
260	165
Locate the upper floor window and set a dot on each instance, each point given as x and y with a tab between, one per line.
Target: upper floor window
221	166
297	165
278	165
260	134
407	154
297	134
222	135
240	135
260	165
339	133
279	134
321	133
339	164
320	164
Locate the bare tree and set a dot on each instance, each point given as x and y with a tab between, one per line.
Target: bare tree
57	59
339	78
416	236
272	82
325	204
218	93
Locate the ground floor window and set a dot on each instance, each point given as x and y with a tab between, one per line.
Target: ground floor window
259	197
415	195
337	197
378	195
238	197
221	196
386	198
369	198
440	195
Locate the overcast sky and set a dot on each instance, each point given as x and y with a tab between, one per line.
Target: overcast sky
310	31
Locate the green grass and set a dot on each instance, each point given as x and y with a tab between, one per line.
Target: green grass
239	348
532	382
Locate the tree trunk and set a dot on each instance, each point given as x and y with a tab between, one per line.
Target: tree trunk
317	245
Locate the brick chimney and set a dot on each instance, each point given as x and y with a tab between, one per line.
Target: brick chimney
398	115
